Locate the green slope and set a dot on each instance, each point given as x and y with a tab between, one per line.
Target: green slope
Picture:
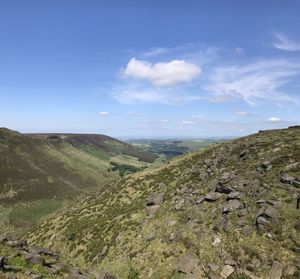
36	168
197	231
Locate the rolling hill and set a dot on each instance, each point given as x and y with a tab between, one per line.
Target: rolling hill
39	172
229	211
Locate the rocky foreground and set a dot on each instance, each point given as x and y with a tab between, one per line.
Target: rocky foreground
230	211
20	260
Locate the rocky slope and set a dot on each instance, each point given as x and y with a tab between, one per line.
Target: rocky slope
229	211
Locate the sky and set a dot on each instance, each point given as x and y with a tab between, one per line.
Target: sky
149	68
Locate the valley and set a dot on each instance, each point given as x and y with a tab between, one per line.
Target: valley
219	211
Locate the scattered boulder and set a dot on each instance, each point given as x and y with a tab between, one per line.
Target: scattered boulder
152	210
291	167
153	203
225	178
225	189
244	154
213	196
266	218
105	275
186	264
232	205
40	251
34	259
179	204
266	165
216	241
226	271
234	195
155	199
2	262
287	178
276	270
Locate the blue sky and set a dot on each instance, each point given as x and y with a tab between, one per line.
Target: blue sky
149	68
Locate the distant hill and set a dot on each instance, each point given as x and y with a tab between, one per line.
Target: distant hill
227	211
35	167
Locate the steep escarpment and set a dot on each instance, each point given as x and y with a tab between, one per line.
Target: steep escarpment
227	211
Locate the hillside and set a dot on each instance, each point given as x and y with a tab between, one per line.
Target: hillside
41	171
229	210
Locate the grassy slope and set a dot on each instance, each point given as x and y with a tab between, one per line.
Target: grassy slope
110	230
35	169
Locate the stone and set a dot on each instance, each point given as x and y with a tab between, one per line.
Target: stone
276	270
291	167
230	262
213	267
296	249
250	274
153	203
226	271
244	154
225	178
2	261
40	250
290	270
287	179
105	275
155	199
266	165
152	210
12	268
186	264
234	195
31	258
271	212
50	261
297	226
151	236
219	226
232	205
213	196
296	183
179	204
216	241
225	189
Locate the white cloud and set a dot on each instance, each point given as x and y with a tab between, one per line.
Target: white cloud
284	43
260	80
162	74
239	50
188	122
273	119
242	113
104	113
134	94
155	51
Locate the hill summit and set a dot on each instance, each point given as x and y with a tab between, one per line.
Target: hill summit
230	210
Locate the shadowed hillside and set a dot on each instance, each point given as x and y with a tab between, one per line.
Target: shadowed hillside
229	210
47	169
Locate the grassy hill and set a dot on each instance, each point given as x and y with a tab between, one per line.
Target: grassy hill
41	172
229	211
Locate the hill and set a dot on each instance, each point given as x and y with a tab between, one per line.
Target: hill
229	210
39	172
